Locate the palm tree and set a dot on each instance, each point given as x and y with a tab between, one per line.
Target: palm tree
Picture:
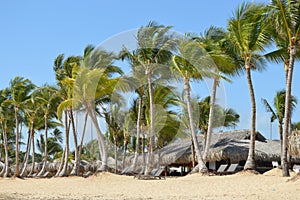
53	143
155	46
138	75
222	63
64	69
20	90
47	98
6	116
92	85
114	129
32	119
225	117
248	38
286	17
278	111
187	65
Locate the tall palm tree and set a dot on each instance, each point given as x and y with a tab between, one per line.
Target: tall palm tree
20	90
138	75
187	65
92	86
286	17
154	49
222	63
47	98
32	119
64	69
278	111
248	38
6	116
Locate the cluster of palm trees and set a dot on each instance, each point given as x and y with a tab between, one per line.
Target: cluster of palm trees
93	86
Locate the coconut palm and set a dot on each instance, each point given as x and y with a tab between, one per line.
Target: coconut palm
63	69
286	17
248	38
6	116
92	86
187	66
277	112
47	99
53	144
225	117
114	129
211	41
20	90
32	119
154	49
139	75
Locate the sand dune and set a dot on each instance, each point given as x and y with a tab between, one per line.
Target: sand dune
111	186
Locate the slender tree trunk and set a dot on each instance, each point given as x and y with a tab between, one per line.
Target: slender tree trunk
3	143
61	162
4	130
116	153
280	128
45	148
75	169
150	155
211	118
101	142
64	171
138	128
27	152
143	154
287	112
250	163
201	165
33	154
193	152
83	134
124	151
17	172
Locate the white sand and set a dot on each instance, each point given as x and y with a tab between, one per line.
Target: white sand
109	186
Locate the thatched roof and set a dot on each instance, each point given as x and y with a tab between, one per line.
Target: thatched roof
233	146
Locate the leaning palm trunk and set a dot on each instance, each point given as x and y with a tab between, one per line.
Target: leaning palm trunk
32	156
61	162
17	173
124	151
5	149
82	135
143	154
138	128
150	155
46	147
201	165
116	153
250	163
64	171
101	143
281	138
27	152
210	119
75	169
287	112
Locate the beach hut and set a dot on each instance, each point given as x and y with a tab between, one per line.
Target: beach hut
226	148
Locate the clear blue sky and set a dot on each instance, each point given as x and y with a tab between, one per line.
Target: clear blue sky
33	33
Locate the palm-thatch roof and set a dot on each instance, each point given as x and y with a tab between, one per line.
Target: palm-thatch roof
232	146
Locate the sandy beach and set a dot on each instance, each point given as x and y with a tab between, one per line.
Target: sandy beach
243	185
